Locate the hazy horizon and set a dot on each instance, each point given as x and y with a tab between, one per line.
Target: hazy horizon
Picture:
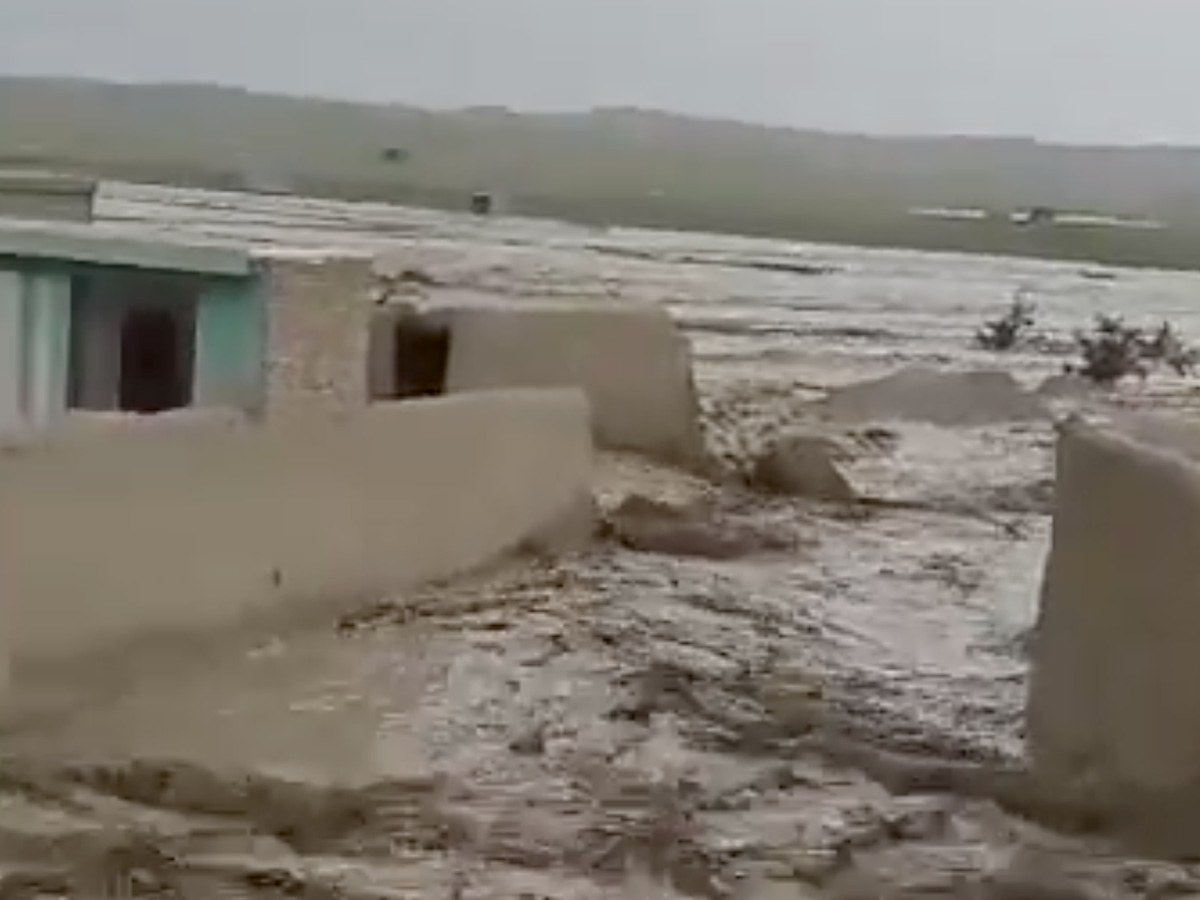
1064	71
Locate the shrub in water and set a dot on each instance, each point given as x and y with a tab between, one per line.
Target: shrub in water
1007	331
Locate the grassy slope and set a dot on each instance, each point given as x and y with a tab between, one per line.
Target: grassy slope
614	166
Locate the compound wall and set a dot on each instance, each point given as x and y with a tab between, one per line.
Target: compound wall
1114	707
151	530
632	361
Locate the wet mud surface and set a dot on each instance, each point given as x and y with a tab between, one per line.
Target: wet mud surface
729	695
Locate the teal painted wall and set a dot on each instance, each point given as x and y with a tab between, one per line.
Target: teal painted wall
47	326
12	350
231	339
230	348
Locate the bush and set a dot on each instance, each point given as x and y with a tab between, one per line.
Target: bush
1006	332
1114	350
1111	351
1168	348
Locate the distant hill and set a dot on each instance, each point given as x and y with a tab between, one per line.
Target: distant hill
613	166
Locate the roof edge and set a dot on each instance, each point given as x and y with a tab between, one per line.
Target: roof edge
83	244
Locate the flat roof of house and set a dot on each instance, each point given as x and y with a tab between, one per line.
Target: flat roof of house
105	244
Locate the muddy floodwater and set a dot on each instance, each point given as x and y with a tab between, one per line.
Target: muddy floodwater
831	709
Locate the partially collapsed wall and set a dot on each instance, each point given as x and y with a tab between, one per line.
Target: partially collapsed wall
631	360
133	534
1114	707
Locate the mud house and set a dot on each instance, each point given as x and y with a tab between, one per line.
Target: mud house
103	319
92	319
325	499
350	487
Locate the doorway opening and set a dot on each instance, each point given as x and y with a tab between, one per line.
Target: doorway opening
409	355
133	342
155	369
420	358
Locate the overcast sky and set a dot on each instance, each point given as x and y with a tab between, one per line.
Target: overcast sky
1077	70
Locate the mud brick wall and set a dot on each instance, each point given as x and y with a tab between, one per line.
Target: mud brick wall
318	325
631	360
176	535
1113	719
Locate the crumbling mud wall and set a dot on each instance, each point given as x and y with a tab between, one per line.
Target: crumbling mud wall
319	313
150	532
633	362
1114	707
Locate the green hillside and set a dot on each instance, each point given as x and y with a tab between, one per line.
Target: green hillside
613	167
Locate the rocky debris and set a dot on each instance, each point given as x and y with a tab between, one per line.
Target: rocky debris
742	419
570	531
1067	386
805	466
303	816
417	276
618	476
740	430
877	439
947	399
403	282
507	589
1032	497
651	526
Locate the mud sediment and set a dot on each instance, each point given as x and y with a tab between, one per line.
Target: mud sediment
706	732
649	714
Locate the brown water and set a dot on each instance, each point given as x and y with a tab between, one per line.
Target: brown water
834	712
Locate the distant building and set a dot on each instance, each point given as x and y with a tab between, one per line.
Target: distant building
1033	217
1038	215
482	203
45	196
1093	220
950	214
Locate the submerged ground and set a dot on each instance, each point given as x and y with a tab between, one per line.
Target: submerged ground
834	711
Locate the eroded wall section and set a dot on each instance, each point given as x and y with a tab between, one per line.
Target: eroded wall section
153	529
